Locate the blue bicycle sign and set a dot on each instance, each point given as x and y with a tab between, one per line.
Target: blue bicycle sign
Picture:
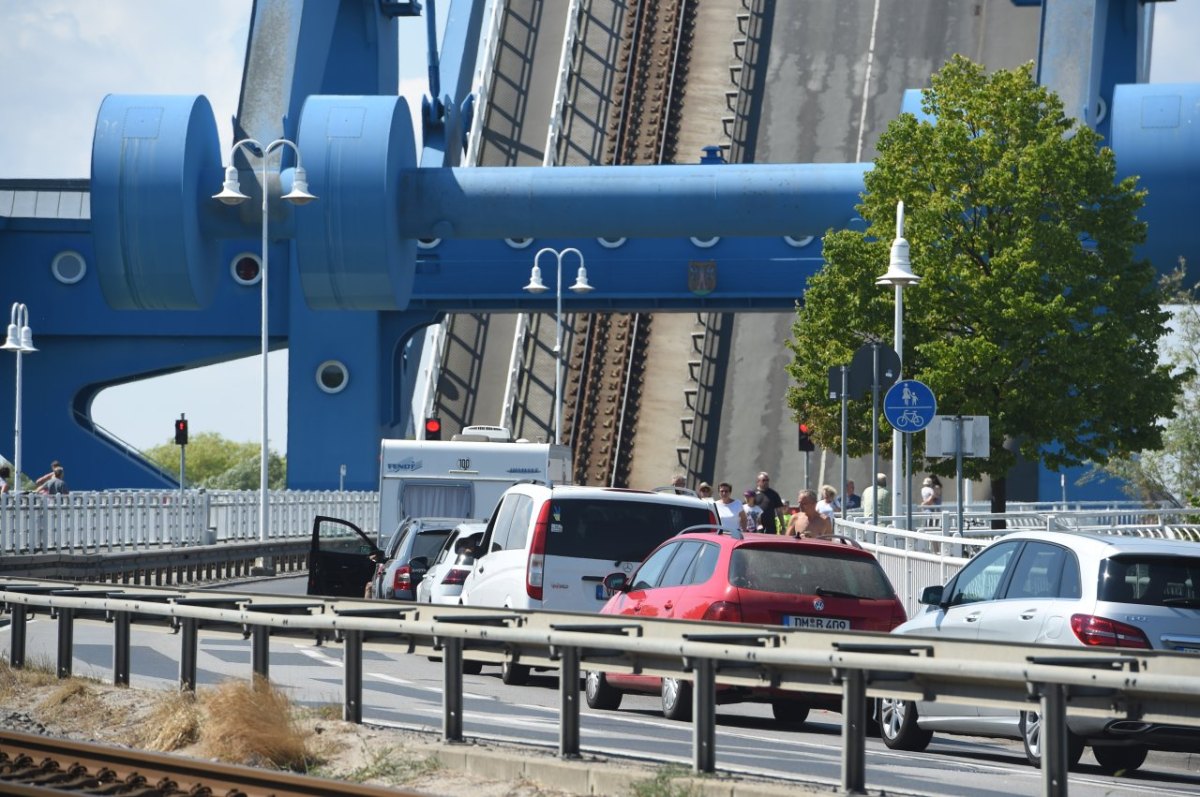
909	405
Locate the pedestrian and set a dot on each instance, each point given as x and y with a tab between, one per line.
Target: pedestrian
851	500
808	522
876	500
48	475
704	490
678	482
828	505
730	512
55	484
753	512
771	504
5	472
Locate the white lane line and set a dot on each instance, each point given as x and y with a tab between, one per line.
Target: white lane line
862	116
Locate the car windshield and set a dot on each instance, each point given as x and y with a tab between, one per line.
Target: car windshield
1151	580
619	531
808	572
429	542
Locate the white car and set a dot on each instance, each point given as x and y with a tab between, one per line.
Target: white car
443	582
1060	588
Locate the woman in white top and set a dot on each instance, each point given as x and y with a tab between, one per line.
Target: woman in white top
730	512
828	505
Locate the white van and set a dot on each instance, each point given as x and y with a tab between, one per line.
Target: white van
458	478
550	547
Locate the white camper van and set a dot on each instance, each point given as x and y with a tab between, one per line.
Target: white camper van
459	478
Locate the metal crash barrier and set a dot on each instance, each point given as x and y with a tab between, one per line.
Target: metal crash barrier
1151	686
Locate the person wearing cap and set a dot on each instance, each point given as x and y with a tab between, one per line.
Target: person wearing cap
704	490
752	510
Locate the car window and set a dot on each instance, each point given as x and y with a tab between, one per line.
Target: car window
677	568
500	527
619	531
704	565
803	572
1038	571
647	575
428	542
1151	580
398	540
980	580
519	527
447	546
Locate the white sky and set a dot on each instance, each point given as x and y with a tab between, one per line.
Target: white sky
59	58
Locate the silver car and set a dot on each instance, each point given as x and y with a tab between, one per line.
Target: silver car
407	555
1059	588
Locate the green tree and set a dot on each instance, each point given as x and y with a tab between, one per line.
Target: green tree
216	463
1032	308
1173	472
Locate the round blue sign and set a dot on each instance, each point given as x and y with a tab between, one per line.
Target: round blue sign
909	405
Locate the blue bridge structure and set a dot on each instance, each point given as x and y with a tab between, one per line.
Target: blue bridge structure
138	272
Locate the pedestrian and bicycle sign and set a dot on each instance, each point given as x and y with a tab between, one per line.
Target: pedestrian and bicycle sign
909	405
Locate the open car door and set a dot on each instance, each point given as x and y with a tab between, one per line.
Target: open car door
341	559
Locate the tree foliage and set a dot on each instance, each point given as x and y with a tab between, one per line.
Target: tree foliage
1172	473
219	464
1031	310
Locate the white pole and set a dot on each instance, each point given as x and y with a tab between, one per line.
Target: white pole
558	365
17	434
263	499
899	499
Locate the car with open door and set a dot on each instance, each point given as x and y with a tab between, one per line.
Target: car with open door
342	558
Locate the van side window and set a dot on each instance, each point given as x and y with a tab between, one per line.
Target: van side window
500	527
519	527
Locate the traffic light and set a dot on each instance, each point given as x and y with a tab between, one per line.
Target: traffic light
181	432
433	428
806	443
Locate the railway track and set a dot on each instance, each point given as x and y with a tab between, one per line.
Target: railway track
606	368
41	766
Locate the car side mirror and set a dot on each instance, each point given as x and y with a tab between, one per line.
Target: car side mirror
616	582
932	596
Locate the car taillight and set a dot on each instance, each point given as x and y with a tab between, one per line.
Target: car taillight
1102	632
724	612
402	580
455	576
536	567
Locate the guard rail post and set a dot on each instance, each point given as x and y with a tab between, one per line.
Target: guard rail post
122	629
189	629
66	640
854	730
1054	739
452	690
352	647
704	715
260	650
568	691
18	622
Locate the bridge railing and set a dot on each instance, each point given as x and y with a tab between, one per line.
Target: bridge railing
122	520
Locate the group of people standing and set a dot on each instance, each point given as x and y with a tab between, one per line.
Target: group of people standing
51	483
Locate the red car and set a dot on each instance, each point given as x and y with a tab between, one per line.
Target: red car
709	574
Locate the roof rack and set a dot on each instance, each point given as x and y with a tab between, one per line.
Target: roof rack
713	528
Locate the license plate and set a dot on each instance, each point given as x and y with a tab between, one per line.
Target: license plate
1187	649
816	623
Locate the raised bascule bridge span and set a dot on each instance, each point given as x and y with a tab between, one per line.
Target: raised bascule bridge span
575	124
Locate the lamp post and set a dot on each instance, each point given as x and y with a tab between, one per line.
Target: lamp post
20	340
231	194
537	286
899	274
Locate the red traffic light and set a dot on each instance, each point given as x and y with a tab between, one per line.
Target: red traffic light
433	428
805	437
181	432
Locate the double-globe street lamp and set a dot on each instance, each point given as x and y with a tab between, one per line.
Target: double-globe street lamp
537	286
20	340
899	274
231	194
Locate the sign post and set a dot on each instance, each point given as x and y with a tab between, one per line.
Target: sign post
909	406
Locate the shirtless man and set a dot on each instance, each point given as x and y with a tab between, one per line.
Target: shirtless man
808	522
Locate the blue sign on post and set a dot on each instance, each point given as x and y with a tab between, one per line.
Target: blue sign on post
909	405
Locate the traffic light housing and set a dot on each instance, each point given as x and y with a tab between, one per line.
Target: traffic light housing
806	443
433	428
181	432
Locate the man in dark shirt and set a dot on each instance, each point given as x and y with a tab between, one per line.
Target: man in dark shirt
852	500
770	503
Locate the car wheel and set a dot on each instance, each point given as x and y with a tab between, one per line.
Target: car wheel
599	694
1115	760
514	674
1031	736
472	667
790	711
677	699
898	725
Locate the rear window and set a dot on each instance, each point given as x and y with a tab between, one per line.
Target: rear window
428	543
1151	580
619	531
796	572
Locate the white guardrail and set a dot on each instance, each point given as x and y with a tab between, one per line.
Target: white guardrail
1149	686
123	520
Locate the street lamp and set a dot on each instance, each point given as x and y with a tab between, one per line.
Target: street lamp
20	340
537	286
899	274
231	194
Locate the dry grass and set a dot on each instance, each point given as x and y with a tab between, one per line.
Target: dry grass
253	723
173	723
34	675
